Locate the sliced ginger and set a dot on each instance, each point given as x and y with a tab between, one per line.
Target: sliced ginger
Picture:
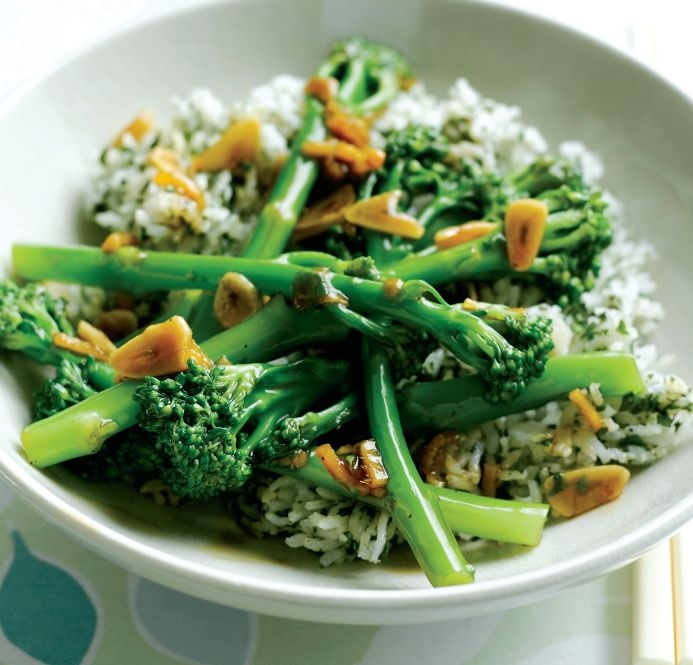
95	336
182	183
239	144
452	236
435	452
380	213
525	223
78	346
587	410
371	465
346	127
337	467
117	239
323	88
323	214
160	349
575	492
138	128
165	159
171	172
367	475
89	341
351	159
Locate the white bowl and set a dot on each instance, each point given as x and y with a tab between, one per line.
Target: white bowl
568	85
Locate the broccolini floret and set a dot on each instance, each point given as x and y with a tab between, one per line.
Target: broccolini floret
419	164
30	318
130	456
79	430
576	233
69	386
210	425
215	425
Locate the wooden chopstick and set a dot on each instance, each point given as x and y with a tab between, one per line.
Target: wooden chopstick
653	614
663	603
682	576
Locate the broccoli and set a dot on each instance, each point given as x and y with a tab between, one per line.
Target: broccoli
210	425
129	456
30	317
300	432
457	404
271	332
419	163
133	456
369	76
70	385
275	329
460	404
577	231
215	425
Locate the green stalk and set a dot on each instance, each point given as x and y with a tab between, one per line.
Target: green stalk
355	66
495	519
134	270
316	424
291	190
415	509
460	404
79	430
486	257
287	396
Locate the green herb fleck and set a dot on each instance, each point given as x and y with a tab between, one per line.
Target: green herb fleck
582	485
558	484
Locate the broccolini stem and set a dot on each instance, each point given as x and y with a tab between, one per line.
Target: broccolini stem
496	519
356	67
135	270
316	424
101	375
414	507
80	430
309	259
483	258
290	191
460	404
272	331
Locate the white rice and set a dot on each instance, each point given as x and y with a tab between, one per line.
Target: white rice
124	198
623	311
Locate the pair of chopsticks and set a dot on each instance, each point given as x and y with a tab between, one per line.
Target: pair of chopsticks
663	603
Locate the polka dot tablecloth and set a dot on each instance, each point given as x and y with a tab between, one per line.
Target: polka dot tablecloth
62	605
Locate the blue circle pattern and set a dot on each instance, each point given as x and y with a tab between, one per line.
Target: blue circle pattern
191	628
44	610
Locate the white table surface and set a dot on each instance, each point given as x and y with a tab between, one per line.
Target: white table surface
127	620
